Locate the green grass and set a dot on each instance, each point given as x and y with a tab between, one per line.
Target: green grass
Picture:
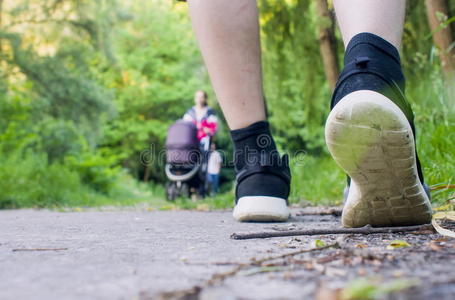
220	201
31	182
434	107
436	149
317	180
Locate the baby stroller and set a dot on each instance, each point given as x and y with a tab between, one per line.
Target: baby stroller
185	165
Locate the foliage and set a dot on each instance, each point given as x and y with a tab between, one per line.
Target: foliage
88	87
294	80
317	180
31	182
157	73
298	96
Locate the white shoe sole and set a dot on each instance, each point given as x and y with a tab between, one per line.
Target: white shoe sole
261	209
371	139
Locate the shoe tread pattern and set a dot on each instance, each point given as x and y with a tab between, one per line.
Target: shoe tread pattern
371	139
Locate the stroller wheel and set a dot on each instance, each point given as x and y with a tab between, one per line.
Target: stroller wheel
171	191
185	190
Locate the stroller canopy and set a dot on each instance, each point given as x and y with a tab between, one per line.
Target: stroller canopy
182	145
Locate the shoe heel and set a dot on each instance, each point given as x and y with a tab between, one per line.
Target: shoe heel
261	209
371	140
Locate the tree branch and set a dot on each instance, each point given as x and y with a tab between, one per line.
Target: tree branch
362	230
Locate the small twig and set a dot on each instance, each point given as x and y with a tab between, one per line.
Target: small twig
262	260
39	249
255	262
331	211
226	263
362	230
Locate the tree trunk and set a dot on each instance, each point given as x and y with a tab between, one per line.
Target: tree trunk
327	42
146	173
1	25
442	37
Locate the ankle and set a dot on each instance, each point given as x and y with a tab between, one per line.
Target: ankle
252	142
372	63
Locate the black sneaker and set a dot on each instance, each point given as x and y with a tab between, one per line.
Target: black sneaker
262	190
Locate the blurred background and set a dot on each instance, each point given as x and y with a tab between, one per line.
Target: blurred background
87	87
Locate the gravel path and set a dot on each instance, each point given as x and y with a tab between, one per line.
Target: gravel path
171	254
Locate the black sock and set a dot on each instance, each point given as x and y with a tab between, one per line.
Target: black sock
260	170
251	141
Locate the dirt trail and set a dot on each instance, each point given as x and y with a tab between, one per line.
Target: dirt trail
171	254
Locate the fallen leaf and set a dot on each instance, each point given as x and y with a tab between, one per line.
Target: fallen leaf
398	244
374	288
318	243
450	215
361	246
361	288
443	207
441	230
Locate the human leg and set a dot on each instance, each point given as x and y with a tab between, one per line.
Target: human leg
384	18
228	36
216	182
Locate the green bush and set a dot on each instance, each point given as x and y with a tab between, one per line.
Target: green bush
31	182
95	171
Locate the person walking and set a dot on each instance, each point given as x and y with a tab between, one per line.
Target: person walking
203	117
369	132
